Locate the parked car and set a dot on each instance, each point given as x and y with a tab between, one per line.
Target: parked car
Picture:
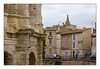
93	56
58	57
55	56
86	56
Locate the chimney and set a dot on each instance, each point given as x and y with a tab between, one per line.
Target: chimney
83	27
63	23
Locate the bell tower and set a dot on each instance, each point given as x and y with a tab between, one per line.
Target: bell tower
67	21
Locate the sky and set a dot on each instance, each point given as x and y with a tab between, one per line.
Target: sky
82	15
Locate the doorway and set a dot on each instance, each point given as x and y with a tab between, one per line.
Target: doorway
32	60
66	55
73	54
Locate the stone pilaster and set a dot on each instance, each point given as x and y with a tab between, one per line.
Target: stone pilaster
23	11
39	50
35	17
39	24
12	11
5	24
22	59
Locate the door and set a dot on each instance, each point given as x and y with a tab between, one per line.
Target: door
66	55
32	59
73	54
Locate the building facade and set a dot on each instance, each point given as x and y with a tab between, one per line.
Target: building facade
93	48
76	42
56	37
23	35
50	48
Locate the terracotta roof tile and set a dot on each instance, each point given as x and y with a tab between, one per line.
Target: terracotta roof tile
64	30
75	31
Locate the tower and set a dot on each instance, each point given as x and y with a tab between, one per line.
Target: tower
67	21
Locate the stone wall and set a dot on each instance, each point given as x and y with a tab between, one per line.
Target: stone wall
70	63
20	39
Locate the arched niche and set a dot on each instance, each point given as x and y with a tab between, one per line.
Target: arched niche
32	59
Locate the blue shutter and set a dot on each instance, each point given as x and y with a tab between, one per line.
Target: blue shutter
73	44
73	36
66	55
66	37
66	45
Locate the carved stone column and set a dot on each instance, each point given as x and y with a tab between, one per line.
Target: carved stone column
12	11
12	8
5	24
35	17
39	50
24	59
39	24
23	11
5	19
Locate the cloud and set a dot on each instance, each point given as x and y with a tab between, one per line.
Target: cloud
79	14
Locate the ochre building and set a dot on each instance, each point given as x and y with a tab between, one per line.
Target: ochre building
75	43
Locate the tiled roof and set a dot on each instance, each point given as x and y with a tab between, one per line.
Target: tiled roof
62	30
69	31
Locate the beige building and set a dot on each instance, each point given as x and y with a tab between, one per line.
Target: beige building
55	33
23	35
50	48
75	42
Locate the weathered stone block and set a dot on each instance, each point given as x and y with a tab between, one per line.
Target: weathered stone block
24	62
22	42
32	43
18	62
23	37
18	57
24	57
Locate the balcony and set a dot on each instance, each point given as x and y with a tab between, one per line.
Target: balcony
64	48
50	37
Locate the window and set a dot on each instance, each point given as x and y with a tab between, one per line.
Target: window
73	36
50	42
50	33
73	44
50	51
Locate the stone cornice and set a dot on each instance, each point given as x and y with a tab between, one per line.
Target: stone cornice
16	15
6	14
31	32
38	24
14	39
